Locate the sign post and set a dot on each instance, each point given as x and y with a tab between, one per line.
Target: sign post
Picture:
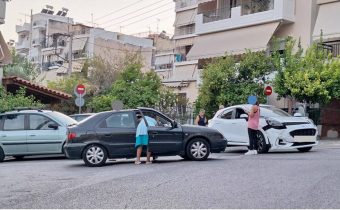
268	91
80	92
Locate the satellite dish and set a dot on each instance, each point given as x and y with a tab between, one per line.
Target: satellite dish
117	105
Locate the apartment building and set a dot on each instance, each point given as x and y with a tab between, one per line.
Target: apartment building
205	29
5	55
52	40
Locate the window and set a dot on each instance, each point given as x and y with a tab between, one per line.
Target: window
239	112
119	120
14	122
160	121
227	114
39	122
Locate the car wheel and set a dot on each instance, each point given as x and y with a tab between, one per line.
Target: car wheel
305	149
95	155
2	155
184	157
18	157
262	146
198	149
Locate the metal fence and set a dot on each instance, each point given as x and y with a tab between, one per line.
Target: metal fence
182	114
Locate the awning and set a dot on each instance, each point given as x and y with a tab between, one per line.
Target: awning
203	1
186	17
176	84
232	42
5	54
184	42
164	59
328	21
78	44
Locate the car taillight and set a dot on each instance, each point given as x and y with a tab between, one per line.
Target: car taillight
72	136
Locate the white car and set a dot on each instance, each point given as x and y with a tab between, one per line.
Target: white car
278	129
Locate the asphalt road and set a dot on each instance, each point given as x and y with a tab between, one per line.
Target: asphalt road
226	180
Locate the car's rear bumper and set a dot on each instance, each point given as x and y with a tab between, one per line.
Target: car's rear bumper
74	151
219	146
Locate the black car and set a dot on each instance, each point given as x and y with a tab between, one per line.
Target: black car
80	117
112	135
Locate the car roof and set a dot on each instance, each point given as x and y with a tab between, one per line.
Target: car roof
25	111
83	114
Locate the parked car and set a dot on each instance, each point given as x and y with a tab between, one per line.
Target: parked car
278	129
80	117
112	135
32	132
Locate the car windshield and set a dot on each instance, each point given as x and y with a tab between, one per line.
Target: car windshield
66	120
268	111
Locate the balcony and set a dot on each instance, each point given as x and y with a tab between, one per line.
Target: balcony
332	47
23	45
39	24
180	5
23	28
237	14
184	32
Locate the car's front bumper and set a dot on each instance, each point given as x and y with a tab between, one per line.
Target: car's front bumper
74	150
219	146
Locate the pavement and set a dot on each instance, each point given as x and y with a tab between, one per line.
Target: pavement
285	179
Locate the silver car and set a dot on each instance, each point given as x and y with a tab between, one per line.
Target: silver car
32	132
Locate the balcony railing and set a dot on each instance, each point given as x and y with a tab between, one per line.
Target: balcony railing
215	15
333	48
185	30
185	3
247	7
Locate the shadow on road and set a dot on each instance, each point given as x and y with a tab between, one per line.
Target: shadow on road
36	158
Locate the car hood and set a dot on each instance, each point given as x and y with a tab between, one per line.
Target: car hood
292	120
196	129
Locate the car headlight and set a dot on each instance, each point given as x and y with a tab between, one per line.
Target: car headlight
274	123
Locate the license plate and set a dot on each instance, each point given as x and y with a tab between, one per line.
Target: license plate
304	139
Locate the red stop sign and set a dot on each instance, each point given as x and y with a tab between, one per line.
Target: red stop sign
268	91
80	89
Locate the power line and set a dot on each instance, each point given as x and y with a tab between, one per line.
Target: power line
120	9
132	12
147	17
127	19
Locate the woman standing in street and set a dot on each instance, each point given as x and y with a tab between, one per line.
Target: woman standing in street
253	127
201	119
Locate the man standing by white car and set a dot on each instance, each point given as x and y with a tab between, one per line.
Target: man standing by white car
253	127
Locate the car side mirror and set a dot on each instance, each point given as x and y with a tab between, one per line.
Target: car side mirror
244	116
297	115
53	126
174	124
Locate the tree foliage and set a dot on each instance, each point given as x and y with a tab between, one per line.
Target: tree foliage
228	82
308	76
9	101
21	67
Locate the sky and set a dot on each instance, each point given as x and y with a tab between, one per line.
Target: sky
126	16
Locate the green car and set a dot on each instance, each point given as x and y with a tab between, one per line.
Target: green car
32	132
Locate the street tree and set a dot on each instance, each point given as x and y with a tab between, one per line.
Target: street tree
229	81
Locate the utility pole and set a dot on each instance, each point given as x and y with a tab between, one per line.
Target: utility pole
30	34
69	72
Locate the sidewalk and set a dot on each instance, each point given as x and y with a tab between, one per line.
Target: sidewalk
329	142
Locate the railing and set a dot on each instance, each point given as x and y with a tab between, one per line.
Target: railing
185	3
163	66
247	7
185	30
333	48
256	6
215	15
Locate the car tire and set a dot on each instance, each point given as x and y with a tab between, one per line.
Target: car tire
95	155
184	157
198	149
262	146
19	157
305	149
2	155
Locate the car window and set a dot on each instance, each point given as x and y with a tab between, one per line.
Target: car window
239	112
64	119
14	122
119	120
39	122
273	112
227	115
156	120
